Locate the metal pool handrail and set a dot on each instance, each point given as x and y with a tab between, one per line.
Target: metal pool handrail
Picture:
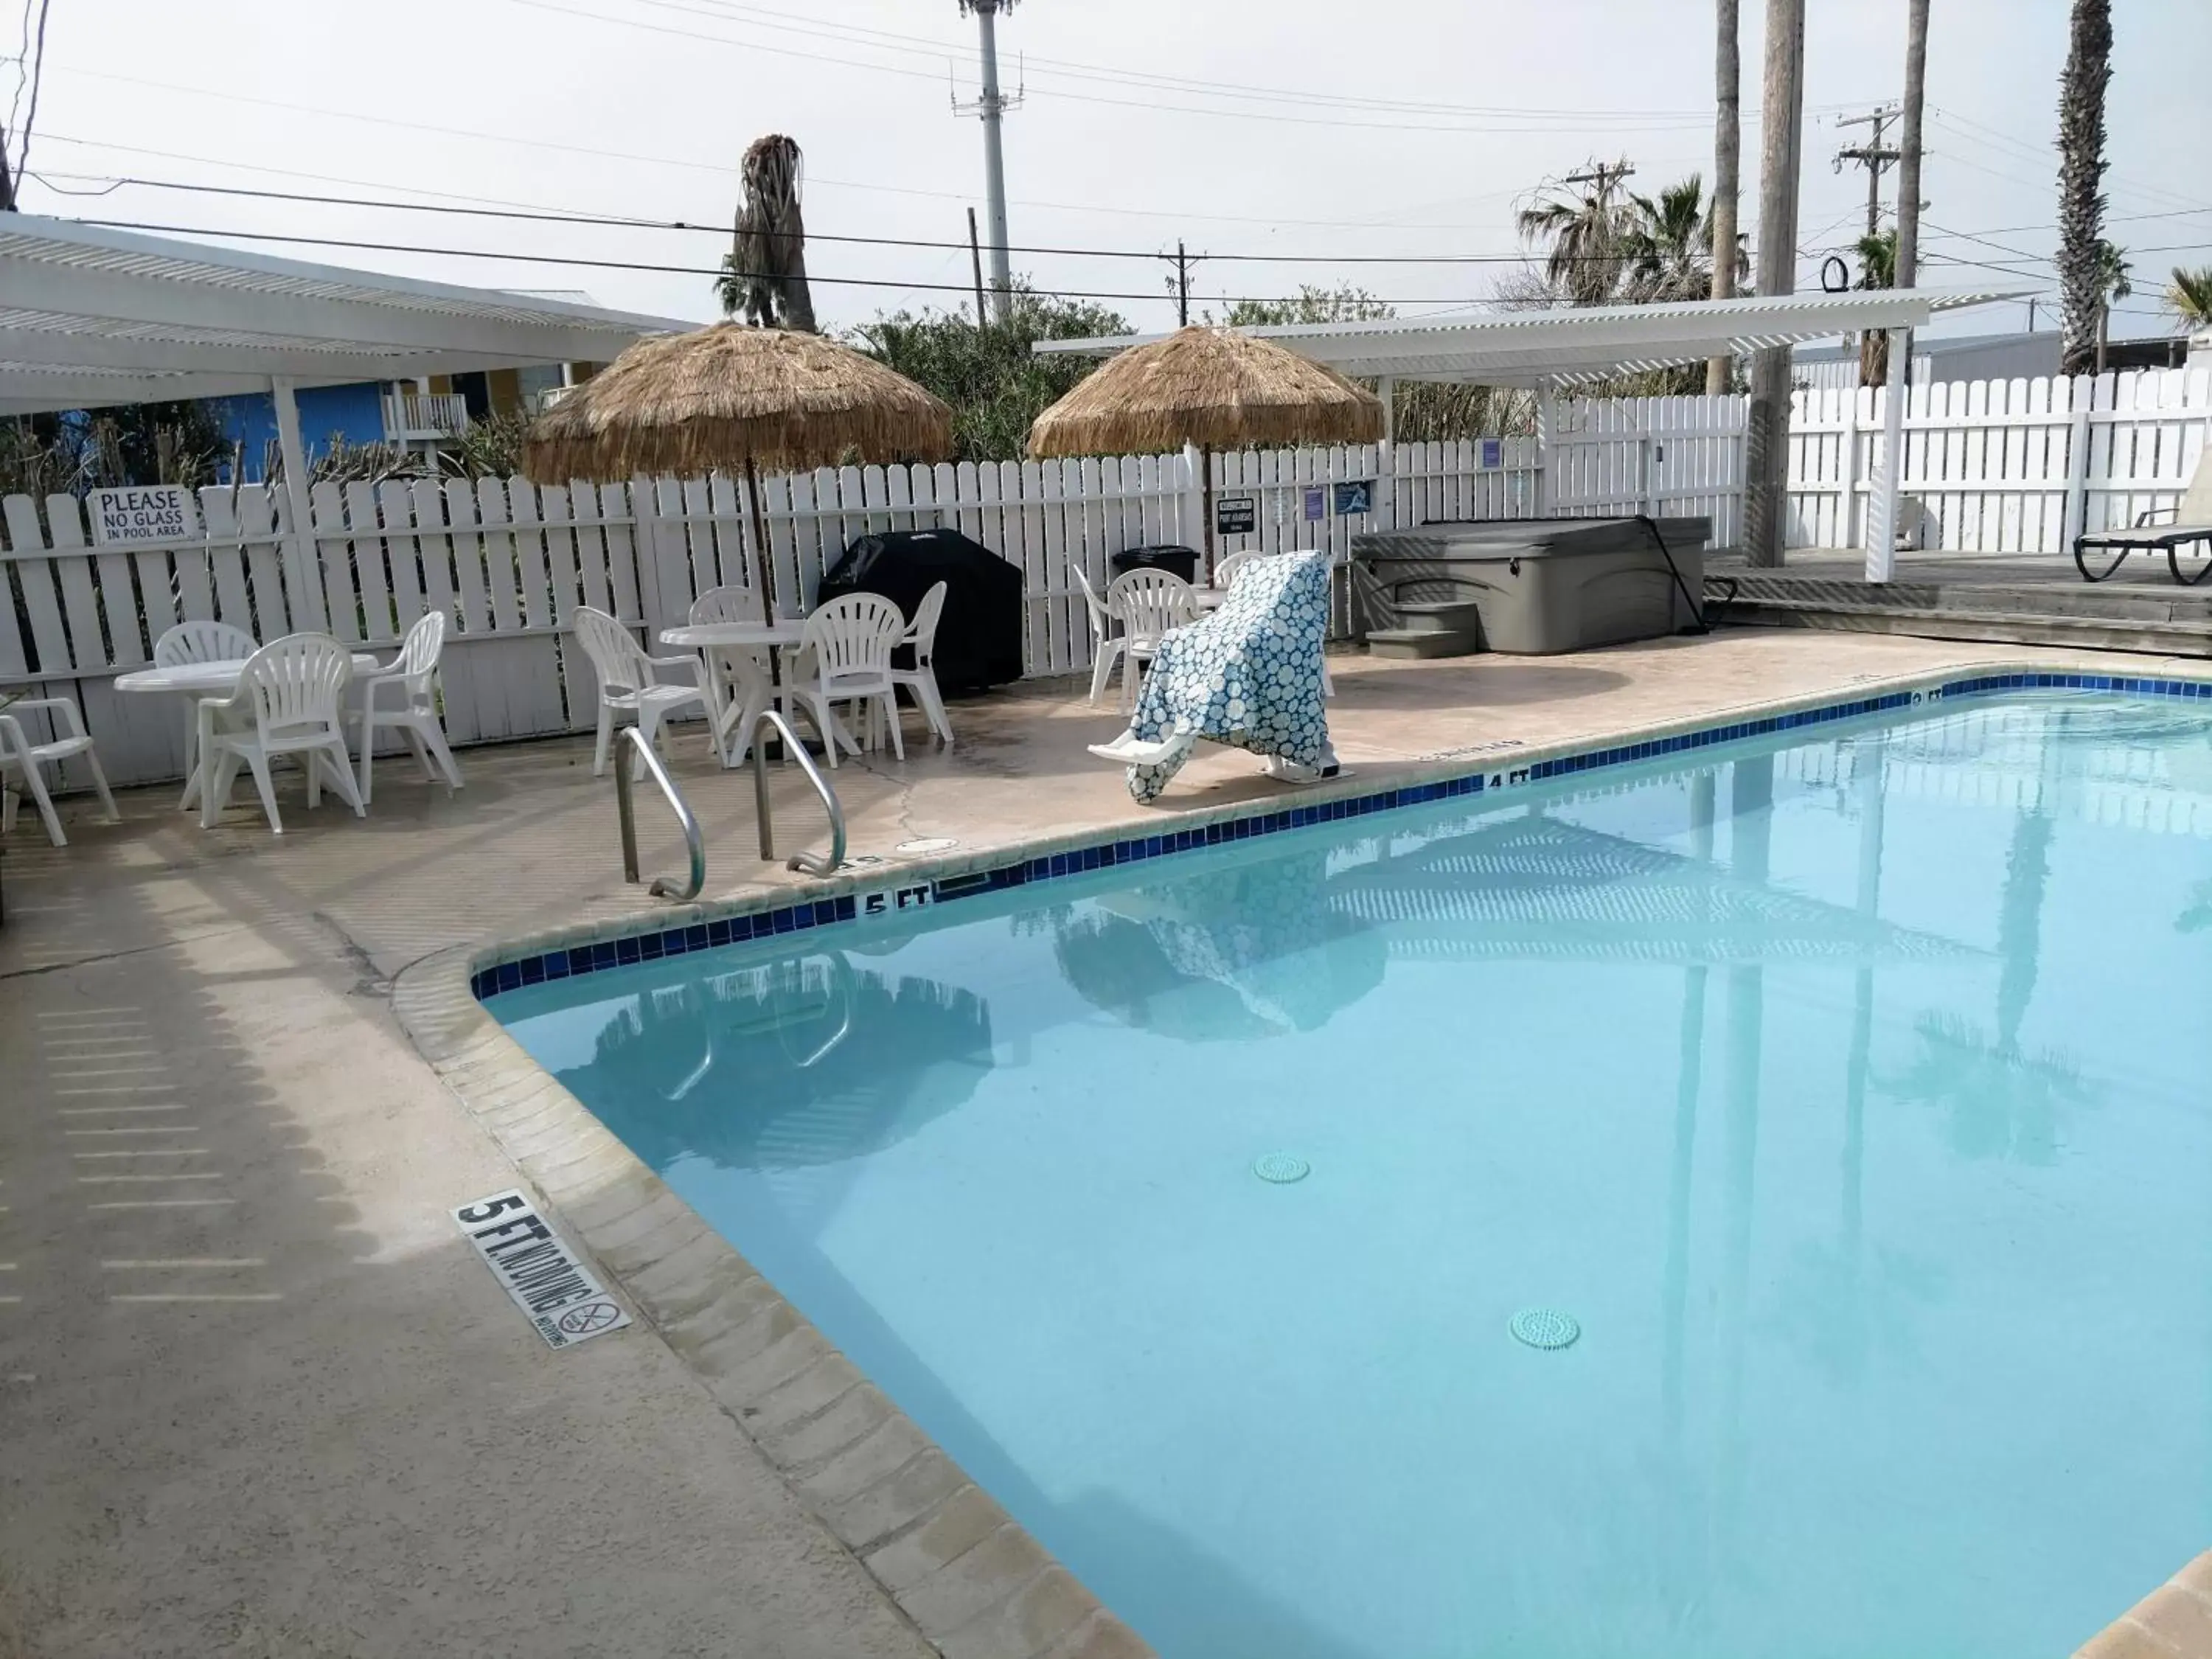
812	863
662	886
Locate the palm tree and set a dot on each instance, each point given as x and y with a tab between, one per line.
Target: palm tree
1877	269
2111	284
1669	243
2189	297
764	272
1727	149
1585	218
2080	180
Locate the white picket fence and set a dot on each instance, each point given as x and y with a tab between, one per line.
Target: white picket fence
509	562
1999	466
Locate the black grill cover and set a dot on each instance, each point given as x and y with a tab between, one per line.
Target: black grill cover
979	638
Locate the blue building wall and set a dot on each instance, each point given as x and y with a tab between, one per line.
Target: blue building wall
352	413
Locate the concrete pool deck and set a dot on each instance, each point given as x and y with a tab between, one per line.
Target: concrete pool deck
259	1396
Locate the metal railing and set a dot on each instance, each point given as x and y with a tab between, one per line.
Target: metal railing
626	811
813	864
662	886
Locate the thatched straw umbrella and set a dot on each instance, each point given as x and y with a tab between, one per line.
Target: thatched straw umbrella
732	397
1212	387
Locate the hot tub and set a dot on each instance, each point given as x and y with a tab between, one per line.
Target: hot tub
1529	587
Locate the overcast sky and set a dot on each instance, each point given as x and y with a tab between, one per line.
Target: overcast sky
1288	128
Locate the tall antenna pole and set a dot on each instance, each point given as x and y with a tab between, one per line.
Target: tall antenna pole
993	106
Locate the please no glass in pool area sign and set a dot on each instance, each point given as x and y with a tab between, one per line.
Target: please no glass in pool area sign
561	1296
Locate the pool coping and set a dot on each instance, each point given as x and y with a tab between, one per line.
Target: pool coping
971	1578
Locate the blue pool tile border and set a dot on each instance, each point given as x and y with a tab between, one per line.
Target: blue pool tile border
491	979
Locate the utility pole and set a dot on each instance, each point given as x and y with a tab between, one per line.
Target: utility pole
976	255
1727	149
1874	155
1767	432
993	106
1182	286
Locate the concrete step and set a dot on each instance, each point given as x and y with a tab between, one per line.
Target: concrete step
1439	617
2179	639
1410	644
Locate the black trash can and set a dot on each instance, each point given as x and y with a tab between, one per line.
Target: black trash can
979	637
1176	561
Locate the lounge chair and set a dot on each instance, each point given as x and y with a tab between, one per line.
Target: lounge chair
2169	528
1248	675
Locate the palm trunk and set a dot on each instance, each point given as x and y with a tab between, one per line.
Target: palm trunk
2081	179
1766	428
1727	149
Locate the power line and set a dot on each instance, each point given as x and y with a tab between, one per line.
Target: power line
624	223
815	180
38	72
1576	123
647	265
916	45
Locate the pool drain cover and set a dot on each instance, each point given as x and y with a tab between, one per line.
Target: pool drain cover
1544	1327
928	844
1281	1168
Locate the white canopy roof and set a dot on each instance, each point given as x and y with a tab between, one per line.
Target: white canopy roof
1586	342
90	318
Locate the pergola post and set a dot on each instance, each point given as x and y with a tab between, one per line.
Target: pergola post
1387	390
301	575
1882	516
1546	421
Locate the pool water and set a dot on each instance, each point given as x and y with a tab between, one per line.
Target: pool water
1849	1094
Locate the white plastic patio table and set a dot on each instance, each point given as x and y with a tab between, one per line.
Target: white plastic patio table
735	636
195	680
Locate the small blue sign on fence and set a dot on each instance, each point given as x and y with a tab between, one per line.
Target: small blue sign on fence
1356	497
1493	454
1316	502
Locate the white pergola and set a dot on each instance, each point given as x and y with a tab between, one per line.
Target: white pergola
91	318
1544	350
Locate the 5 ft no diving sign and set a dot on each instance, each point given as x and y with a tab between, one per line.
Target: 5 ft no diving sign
559	1295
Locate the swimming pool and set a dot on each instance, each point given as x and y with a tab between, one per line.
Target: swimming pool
1846	1091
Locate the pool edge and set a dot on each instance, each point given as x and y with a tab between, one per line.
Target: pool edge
941	1547
648	935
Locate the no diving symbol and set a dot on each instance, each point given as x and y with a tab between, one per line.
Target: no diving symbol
591	1317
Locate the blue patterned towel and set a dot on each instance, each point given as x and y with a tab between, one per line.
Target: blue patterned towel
1247	676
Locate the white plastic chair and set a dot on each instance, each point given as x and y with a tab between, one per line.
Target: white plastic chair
289	700
739	679
19	754
628	684
1147	603
200	642
414	671
921	679
1226	567
1105	644
845	655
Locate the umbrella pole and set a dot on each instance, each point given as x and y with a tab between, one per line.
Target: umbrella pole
1206	508
760	542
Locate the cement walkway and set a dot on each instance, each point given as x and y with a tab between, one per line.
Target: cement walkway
258	1397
